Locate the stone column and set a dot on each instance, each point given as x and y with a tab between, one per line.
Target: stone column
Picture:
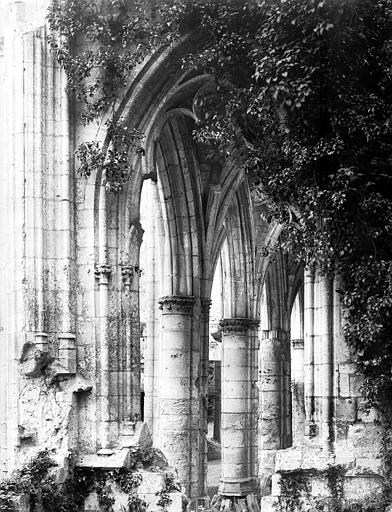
204	366
179	424
150	355
297	384
310	426
102	273
130	376
324	362
65	263
134	348
239	407
274	415
148	261
218	400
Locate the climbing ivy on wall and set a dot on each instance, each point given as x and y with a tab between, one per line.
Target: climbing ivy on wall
303	100
37	481
99	44
46	493
296	493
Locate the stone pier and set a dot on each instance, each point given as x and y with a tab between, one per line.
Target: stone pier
179	423
274	415
239	407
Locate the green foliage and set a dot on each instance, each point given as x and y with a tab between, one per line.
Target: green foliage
303	92
171	484
164	497
294	487
99	44
296	493
115	161
37	480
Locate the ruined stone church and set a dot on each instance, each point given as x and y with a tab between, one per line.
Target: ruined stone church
117	311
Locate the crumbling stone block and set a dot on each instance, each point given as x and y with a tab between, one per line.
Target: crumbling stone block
91	503
151	482
135	434
320	487
33	360
357	488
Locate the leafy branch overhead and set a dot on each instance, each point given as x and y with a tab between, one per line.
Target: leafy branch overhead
302	97
304	100
99	44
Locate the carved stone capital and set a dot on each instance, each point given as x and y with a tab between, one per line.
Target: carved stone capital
129	273
205	306
238	325
275	334
137	271
102	273
176	304
309	273
297	344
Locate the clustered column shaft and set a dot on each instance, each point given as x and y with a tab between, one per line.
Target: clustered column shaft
297	384
102	273
324	366
309	352
204	367
130	377
318	364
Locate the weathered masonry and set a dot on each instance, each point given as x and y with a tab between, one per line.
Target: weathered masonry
84	273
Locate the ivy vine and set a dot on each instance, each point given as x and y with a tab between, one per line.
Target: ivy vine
37	481
99	44
296	493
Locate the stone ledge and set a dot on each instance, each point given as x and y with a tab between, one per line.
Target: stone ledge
105	459
134	435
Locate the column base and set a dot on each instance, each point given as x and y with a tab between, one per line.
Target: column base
238	487
248	503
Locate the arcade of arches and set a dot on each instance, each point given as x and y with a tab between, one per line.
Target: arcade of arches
161	307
